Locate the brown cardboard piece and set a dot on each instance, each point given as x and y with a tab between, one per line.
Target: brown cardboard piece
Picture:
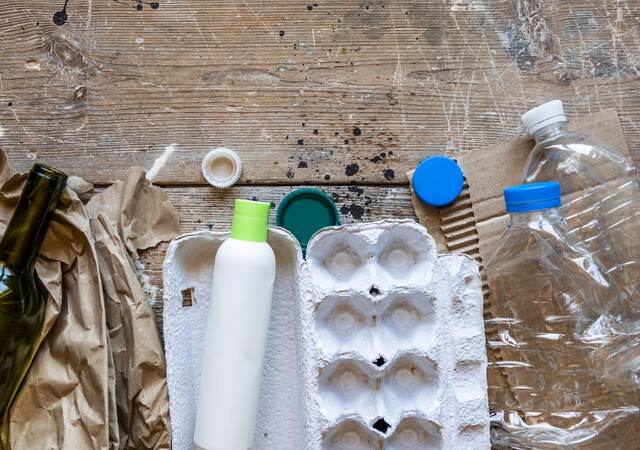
475	221
89	386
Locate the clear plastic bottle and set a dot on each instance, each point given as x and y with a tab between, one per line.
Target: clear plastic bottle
601	196
557	317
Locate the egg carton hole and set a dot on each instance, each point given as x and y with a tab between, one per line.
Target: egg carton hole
381	425
380	361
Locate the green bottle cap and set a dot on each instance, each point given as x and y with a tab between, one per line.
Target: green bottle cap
250	221
305	211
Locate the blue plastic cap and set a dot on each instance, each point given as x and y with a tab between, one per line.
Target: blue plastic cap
532	197
438	181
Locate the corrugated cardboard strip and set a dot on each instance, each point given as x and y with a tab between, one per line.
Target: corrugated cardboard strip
98	379
476	220
474	223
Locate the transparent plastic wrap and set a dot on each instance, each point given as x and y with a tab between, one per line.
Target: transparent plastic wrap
558	319
601	205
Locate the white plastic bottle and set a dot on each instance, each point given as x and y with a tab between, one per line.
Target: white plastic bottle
243	279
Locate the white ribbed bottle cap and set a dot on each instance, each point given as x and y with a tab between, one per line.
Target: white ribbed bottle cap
222	167
543	115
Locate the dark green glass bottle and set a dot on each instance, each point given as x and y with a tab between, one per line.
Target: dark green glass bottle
23	300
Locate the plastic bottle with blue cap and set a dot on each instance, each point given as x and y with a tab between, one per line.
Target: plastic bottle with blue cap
557	322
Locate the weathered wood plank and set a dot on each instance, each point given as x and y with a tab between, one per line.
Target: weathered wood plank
202	208
114	86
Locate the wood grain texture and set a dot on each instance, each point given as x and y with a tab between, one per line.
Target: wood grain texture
115	86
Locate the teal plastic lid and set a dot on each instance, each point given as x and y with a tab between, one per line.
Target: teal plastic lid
305	211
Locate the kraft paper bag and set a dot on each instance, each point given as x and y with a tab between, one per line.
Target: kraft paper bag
98	378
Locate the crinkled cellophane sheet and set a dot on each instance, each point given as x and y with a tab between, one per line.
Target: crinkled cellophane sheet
474	223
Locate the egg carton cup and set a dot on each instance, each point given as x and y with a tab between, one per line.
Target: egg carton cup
375	341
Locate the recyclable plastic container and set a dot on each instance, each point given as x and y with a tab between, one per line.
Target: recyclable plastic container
559	319
601	195
243	279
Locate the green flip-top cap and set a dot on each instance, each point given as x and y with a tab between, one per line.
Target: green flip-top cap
305	211
250	221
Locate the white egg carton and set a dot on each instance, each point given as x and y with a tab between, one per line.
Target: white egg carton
375	341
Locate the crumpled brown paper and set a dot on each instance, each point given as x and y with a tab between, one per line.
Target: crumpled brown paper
132	215
98	378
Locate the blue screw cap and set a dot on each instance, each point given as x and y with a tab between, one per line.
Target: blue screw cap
532	196
438	181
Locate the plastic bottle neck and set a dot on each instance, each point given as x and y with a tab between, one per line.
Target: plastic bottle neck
550	131
535	219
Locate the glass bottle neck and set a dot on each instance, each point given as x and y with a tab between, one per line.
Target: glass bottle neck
550	131
30	221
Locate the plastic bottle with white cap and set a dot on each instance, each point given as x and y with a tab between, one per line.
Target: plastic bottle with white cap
601	204
243	280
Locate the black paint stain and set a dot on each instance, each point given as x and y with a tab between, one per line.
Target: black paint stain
310	7
381	425
302	165
139	4
352	169
315	132
380	361
346	141
354	209
272	204
389	174
374	291
356	190
281	33
327	177
290	173
61	17
300	141
357	131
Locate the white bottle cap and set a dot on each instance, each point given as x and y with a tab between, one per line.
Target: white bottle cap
543	115
222	167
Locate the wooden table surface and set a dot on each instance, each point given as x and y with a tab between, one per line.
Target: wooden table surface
343	94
